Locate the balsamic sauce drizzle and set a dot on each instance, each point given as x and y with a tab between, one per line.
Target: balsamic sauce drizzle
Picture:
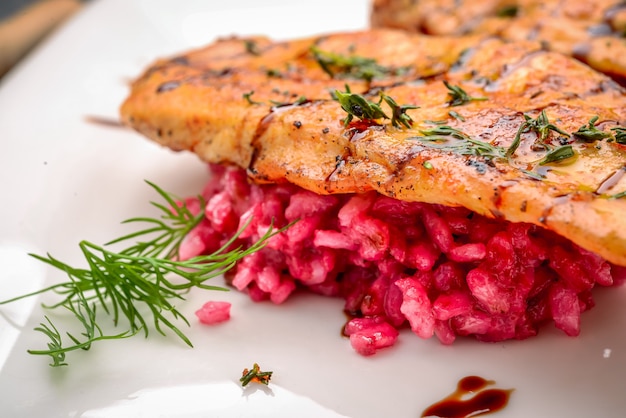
470	399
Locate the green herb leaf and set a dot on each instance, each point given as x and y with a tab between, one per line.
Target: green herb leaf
589	132
252	47
355	67
619	134
248	98
301	100
272	72
439	137
456	116
558	155
357	105
510	10
450	139
398	113
255	375
541	125
458	96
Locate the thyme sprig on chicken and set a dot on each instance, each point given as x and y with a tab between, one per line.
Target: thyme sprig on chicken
447	138
145	277
398	112
558	155
541	125
352	66
458	96
356	105
619	132
590	133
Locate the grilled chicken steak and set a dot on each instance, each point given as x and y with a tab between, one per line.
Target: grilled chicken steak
506	129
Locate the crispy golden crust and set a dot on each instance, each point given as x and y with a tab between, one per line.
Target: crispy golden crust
197	102
591	30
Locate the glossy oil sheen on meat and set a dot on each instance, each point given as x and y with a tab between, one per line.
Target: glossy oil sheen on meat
267	107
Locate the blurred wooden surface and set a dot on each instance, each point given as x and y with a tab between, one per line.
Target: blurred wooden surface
22	31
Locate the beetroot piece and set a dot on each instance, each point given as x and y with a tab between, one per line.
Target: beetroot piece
443	271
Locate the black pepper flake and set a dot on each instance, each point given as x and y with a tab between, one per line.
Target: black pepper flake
297	124
563	140
523	206
480	166
325	130
225	71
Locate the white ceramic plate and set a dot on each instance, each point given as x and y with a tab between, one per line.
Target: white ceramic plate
63	179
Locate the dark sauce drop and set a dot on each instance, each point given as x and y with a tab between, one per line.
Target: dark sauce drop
470	399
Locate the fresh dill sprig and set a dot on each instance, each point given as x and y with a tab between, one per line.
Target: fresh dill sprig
126	283
86	315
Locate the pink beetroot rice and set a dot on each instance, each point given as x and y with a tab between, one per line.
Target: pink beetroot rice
443	271
214	312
